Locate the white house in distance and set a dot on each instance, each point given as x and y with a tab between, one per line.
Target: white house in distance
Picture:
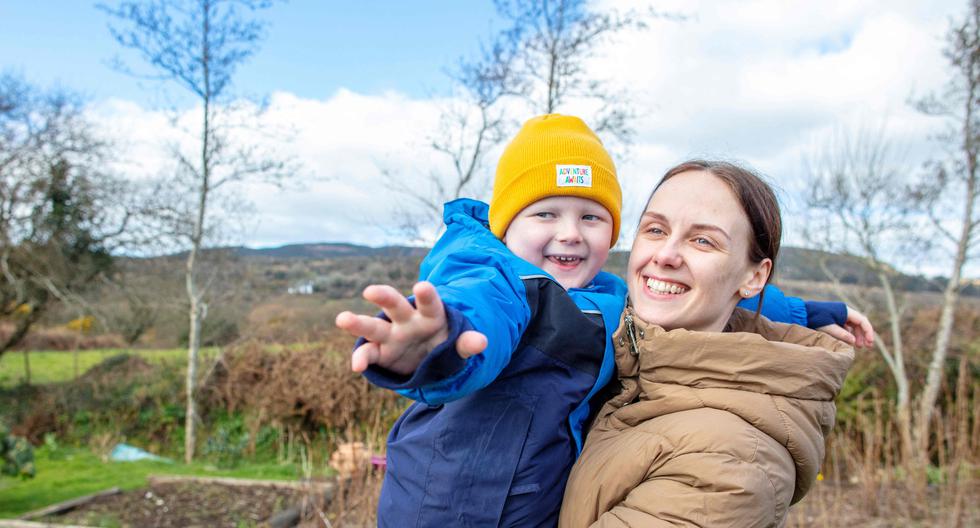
301	288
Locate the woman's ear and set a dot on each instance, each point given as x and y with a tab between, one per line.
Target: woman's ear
756	281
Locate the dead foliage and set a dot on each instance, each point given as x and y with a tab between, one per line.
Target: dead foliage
304	388
123	395
866	482
60	338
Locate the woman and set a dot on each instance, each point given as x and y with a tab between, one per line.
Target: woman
722	414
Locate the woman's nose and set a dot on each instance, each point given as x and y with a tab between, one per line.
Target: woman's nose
667	255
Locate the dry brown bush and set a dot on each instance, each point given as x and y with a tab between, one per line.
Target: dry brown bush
60	338
866	483
304	388
123	396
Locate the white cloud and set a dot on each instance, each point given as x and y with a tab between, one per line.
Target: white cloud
761	81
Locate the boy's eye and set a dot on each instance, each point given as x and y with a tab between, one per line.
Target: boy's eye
591	218
544	214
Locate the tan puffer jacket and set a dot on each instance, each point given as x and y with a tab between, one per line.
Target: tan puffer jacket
710	429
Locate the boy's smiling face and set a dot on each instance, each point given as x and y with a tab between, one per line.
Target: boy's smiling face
566	236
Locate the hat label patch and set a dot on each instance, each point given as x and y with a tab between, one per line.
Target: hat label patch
574	175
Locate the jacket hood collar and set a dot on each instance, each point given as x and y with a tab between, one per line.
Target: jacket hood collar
757	355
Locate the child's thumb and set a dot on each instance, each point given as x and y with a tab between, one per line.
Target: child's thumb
470	343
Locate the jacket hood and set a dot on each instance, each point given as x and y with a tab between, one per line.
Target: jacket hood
780	378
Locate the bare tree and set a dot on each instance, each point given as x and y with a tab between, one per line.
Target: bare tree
472	124
552	42
858	205
952	190
862	207
198	45
61	213
538	64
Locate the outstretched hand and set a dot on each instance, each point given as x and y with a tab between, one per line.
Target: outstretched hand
857	330
402	343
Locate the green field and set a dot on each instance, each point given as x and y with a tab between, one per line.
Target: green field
56	366
64	473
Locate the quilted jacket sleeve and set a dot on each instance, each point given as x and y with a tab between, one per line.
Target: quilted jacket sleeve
714	493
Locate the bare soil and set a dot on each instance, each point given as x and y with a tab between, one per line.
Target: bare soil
185	504
195	504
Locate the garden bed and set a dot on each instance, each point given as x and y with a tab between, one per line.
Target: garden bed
173	502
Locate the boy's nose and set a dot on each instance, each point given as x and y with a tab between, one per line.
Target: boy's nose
569	232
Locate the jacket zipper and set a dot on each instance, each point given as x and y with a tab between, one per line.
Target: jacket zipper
631	331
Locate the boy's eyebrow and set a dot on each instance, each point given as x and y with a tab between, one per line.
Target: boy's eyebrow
653	215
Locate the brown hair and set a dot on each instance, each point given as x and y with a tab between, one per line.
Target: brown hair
756	197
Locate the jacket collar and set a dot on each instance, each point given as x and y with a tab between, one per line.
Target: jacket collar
757	355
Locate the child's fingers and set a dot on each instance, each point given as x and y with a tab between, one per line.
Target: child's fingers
857	333
370	328
861	326
838	332
470	343
394	304
868	332
364	356
427	300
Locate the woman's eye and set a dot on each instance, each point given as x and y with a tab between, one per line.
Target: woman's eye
702	241
654	230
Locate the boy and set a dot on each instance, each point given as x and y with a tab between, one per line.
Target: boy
501	348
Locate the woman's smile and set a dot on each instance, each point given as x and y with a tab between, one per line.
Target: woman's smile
666	287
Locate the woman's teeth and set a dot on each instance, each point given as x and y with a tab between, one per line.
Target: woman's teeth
664	287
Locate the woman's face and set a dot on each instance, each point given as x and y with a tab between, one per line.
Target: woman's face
690	265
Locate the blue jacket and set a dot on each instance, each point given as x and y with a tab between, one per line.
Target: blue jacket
491	439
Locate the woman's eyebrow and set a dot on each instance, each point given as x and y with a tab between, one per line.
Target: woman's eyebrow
712	227
655	216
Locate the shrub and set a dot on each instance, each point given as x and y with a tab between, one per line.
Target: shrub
307	388
124	396
16	455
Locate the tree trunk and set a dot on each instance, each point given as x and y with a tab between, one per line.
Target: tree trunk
934	376
27	366
197	236
193	347
951	295
20	331
897	367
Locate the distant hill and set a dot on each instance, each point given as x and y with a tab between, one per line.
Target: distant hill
322	250
794	263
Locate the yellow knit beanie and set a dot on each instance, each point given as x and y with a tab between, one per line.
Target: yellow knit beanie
553	155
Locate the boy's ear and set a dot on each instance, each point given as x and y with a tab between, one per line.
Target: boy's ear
756	281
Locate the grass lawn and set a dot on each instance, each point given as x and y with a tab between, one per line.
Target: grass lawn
56	366
66	473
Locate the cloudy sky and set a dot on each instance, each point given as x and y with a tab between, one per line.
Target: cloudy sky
360	84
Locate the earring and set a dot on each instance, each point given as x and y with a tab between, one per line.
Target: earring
745	293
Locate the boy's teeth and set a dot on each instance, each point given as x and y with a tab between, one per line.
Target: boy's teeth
664	287
566	259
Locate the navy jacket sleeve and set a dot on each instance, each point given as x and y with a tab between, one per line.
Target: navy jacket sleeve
472	272
823	313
